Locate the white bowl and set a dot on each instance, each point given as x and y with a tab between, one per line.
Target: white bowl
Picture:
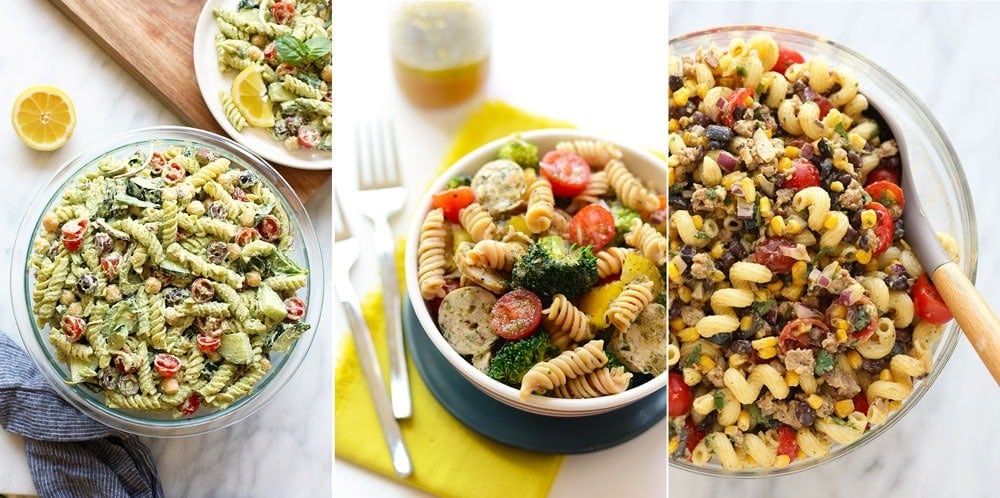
641	163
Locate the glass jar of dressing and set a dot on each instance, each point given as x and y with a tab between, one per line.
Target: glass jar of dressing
440	49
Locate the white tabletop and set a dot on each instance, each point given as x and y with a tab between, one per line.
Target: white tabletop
284	449
946	445
601	68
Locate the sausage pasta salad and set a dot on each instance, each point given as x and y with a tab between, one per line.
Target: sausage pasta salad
165	279
798	316
547	273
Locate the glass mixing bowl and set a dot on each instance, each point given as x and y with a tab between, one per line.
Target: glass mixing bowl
305	251
941	182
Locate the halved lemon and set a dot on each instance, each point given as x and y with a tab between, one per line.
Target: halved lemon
249	94
43	117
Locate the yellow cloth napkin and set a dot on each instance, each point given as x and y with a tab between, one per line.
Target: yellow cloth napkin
449	459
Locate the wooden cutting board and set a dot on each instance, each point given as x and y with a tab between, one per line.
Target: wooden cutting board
147	36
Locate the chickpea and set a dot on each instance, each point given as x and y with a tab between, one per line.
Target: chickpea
75	309
169	386
246	218
196	208
265	364
171	316
112	293
253	278
327	73
258	40
51	222
234	251
255	54
185	192
152	285
66	297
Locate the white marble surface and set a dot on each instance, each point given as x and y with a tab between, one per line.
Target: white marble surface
944	52
284	449
602	68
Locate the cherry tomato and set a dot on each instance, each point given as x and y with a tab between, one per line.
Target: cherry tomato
210	326
887	194
786	441
246	235
861	402
190	405
73	327
166	365
787	57
516	314
883	174
884	228
592	226
207	343
173	173
768	253
239	194
72	233
695	435
110	263
798	334
309	136
824	105
156	162
295	308
202	290
269	228
663	201
567	172
804	174
927	303
739	98
283	12
270	53
680	395
452	201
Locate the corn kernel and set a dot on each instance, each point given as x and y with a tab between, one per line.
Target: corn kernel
781	461
718	276
677	324
689	334
718	249
702	89
784	164
764	207
857	141
766	342
838	311
684	293
706	362
768	132
792	292
814	401
793	226
681	96
690	139
698	221
843	407
801	455
761	295
745	323
791	378
894	405
673	161
777	225
791	151
675	243
767	353
672	271
842	164
670	177
731	430
863	256
749	189
841	334
799	270
673	125
837	186
830	221
885	374
743	421
868	218
674	443
854	359
776	286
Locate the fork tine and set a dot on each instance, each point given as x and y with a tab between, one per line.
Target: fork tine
376	154
393	173
343	230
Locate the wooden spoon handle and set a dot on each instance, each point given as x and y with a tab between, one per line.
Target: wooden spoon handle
977	320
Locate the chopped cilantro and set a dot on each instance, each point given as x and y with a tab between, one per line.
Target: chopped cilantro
719	400
677	188
757	419
711	194
824	362
700	234
693	357
762	307
824	252
840	130
742	71
861	320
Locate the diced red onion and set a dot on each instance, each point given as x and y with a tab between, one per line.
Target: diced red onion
806	152
803	311
727	161
744	210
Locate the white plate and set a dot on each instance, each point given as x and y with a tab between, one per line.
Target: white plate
211	80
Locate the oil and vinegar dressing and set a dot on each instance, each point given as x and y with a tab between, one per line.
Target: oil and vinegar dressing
440	50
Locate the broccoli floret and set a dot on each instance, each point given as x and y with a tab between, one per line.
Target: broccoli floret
515	358
459	181
523	153
551	266
623	221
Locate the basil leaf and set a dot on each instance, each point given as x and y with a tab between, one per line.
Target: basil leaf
291	50
318	47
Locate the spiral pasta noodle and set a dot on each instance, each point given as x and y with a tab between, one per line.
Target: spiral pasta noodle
601	382
597	153
649	241
540	206
430	255
476	220
626	307
548	375
567	318
628	188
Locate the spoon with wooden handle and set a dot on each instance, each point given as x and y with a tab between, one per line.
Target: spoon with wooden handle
973	314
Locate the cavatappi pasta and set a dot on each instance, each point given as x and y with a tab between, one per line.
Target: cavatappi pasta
165	279
795	312
289	42
566	305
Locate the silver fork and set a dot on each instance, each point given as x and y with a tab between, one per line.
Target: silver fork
345	251
381	195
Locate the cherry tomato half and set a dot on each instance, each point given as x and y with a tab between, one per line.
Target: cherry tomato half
567	172
452	201
739	98
190	405
269	228
861	402
173	173
207	343
804	174
787	57
308	136
246	235
283	12
887	194
295	308
786	441
927	303
592	226
516	314
695	435
72	233
883	174
166	365
768	253
202	290
884	228
270	53
73	327
680	395
798	334
824	105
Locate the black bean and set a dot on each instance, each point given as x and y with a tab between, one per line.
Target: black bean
719	133
897	282
721	339
804	413
701	119
740	346
675	310
824	148
676	82
854	159
687	253
873	366
708	422
904	335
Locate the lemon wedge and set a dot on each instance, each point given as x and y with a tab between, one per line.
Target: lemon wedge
249	95
43	117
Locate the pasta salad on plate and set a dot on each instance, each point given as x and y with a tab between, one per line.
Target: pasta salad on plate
799	317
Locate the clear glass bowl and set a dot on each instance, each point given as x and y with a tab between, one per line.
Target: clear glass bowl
642	164
283	365
944	192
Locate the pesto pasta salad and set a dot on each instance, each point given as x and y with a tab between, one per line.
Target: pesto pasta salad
165	281
799	317
546	273
286	44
